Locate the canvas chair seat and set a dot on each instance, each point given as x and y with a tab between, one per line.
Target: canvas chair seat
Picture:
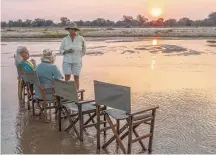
121	115
117	114
85	107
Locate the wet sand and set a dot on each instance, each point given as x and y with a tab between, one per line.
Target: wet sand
182	84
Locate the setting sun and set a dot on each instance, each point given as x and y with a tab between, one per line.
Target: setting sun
156	12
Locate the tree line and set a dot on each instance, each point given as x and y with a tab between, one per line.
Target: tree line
127	21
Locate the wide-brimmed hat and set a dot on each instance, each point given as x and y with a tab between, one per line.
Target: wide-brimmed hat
72	26
48	56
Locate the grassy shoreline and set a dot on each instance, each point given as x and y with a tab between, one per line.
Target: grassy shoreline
55	32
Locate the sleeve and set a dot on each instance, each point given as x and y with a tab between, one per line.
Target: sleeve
83	46
62	46
56	73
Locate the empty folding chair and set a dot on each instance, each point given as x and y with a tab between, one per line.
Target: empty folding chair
118	98
75	109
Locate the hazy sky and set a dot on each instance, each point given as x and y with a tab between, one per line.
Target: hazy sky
109	9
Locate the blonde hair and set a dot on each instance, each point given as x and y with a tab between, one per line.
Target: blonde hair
17	56
48	56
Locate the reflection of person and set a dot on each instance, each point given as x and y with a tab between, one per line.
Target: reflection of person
21	58
47	71
73	48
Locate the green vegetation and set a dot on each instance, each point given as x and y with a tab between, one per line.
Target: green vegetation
126	21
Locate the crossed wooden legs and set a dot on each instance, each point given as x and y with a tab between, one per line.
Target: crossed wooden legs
78	117
130	128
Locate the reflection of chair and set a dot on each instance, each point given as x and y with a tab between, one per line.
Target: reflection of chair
74	108
118	97
43	103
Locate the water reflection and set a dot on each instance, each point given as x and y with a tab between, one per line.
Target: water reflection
154	42
153	64
185	122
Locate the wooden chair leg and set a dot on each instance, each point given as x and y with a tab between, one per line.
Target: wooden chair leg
23	95
80	121
28	96
117	129
116	134
105	122
82	96
91	118
113	137
33	107
58	99
19	89
136	134
151	131
140	141
72	125
98	125
130	122
73	122
45	114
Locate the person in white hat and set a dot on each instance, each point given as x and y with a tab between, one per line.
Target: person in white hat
47	71
73	48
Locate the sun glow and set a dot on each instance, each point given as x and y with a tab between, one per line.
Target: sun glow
154	42
156	12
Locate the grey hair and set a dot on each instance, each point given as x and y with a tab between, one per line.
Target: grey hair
17	56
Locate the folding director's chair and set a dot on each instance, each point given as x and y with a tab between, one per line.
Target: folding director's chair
67	98
118	98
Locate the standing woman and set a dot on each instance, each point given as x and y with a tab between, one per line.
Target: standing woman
73	48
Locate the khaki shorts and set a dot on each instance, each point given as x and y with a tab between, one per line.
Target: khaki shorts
72	68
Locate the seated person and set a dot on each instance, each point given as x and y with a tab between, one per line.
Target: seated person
47	71
21	58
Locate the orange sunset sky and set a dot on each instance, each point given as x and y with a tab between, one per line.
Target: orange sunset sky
109	9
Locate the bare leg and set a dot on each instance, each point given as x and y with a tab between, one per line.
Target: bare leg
76	79
67	77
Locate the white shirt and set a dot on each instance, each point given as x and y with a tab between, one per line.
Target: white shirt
77	44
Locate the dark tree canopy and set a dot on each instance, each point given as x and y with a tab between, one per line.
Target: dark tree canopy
127	21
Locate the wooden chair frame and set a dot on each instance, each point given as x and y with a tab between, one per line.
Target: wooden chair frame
81	111
133	120
32	78
23	87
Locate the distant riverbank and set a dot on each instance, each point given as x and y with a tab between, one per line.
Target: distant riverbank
59	32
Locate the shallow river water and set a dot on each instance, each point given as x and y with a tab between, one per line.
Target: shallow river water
182	84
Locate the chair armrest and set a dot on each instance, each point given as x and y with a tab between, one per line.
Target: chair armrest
145	110
85	101
81	91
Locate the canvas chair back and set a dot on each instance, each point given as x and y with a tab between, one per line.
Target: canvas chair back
114	96
21	71
65	89
31	77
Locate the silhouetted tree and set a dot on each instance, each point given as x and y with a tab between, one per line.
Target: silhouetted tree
142	20
64	21
171	22
185	22
127	21
4	24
